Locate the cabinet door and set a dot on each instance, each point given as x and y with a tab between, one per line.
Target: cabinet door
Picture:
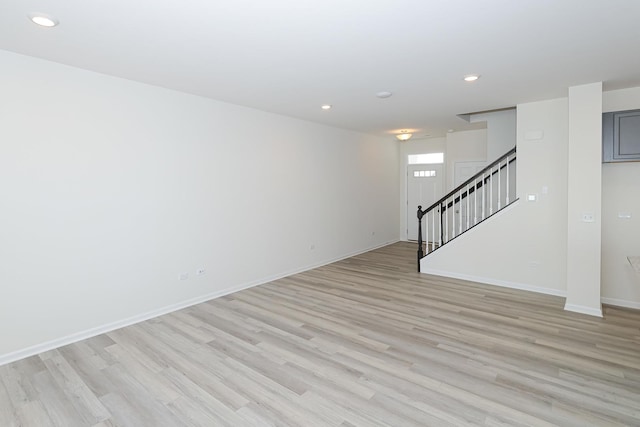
621	136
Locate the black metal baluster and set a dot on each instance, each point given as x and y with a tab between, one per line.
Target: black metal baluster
442	209
420	251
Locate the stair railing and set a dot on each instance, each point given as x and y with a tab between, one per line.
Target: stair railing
481	196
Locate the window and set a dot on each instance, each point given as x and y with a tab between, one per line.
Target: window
426	159
423	174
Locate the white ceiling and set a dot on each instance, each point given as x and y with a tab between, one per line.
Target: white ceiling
291	56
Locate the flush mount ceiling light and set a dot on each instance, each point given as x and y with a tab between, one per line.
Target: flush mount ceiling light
326	107
43	20
404	135
384	94
471	78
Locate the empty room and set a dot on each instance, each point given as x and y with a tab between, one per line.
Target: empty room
319	213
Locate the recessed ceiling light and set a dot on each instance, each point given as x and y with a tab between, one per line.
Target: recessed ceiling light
43	20
326	107
384	94
471	78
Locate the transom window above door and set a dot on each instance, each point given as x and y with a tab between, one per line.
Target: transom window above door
426	159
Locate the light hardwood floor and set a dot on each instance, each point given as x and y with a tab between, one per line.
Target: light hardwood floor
366	341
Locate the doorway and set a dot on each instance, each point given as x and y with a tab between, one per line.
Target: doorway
424	188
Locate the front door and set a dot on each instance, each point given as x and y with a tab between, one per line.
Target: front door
424	187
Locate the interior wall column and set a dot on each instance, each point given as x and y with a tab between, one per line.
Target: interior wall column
584	199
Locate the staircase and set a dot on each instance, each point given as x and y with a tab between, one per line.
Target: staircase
475	200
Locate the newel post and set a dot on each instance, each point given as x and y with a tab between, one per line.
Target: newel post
420	251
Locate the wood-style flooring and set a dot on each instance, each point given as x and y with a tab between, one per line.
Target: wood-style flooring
366	341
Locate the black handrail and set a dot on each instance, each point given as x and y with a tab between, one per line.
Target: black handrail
450	193
476	187
444	206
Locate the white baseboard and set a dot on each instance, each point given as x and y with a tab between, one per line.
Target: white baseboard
621	303
496	282
102	329
591	311
548	291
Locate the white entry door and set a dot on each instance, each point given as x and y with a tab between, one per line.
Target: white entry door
424	187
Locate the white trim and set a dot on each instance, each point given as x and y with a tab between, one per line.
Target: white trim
621	302
496	282
102	329
591	311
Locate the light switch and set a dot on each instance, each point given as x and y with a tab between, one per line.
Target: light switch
532	197
588	217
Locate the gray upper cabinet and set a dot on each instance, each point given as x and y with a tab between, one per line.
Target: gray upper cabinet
621	136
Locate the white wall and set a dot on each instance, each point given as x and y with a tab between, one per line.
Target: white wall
464	146
620	195
110	189
501	131
524	246
584	189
